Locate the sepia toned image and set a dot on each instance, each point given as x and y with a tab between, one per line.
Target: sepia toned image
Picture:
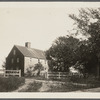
50	47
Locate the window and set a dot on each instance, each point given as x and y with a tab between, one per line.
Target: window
17	60
12	60
14	52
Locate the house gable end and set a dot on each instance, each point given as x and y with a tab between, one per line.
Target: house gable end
12	51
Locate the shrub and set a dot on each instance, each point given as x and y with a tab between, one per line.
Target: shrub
91	80
34	70
10	83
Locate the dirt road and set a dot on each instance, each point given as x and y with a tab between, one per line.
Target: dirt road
25	86
45	85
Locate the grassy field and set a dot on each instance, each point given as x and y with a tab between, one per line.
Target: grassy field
73	83
39	84
10	83
52	87
32	87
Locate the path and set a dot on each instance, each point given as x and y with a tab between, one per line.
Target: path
45	85
25	86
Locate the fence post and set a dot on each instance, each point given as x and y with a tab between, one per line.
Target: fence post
4	73
47	75
59	75
19	73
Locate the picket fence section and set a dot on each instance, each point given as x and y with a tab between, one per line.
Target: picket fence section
12	73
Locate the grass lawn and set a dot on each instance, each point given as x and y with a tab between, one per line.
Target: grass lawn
10	83
61	85
47	86
32	87
67	87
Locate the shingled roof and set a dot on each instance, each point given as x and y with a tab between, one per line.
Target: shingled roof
31	52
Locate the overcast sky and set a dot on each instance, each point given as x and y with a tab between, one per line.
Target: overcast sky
37	22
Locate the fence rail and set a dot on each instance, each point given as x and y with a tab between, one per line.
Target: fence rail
12	73
56	75
60	75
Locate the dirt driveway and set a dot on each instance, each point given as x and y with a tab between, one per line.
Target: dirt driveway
45	85
25	86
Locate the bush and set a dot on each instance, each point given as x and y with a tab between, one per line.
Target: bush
34	70
10	83
91	80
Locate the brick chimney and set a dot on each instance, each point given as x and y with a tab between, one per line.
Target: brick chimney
28	44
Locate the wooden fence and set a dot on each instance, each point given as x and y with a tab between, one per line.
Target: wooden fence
12	73
60	75
56	75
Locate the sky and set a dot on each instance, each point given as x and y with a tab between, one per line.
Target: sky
37	22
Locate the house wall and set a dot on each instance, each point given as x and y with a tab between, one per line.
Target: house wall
15	60
44	63
30	62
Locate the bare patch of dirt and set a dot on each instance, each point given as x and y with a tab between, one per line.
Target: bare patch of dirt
33	85
46	85
25	86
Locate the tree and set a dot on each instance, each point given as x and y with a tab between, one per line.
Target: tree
38	67
88	23
34	70
61	54
4	64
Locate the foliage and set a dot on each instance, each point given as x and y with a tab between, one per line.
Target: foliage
29	71
10	83
4	64
34	70
88	24
61	54
66	51
89	81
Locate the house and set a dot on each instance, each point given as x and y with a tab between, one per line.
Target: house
23	57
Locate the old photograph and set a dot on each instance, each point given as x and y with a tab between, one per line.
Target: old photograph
50	47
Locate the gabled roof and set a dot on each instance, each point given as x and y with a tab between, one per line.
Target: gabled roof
31	52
